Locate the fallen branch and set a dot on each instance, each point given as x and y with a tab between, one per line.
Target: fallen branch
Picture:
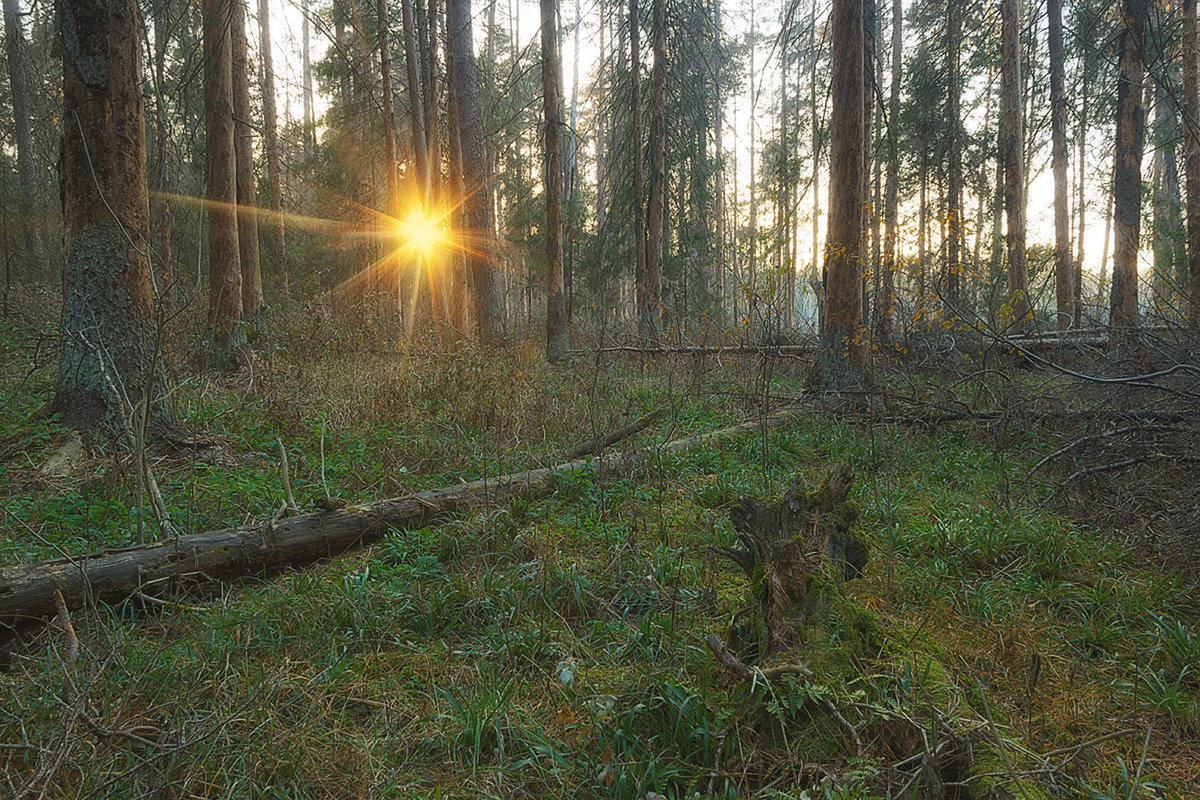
27	590
602	443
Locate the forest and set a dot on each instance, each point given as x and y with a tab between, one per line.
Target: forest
646	400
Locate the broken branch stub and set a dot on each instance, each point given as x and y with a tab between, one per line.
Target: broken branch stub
796	551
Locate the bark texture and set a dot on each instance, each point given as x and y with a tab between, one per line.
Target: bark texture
1127	176
556	301
1064	270
640	279
243	147
1014	161
478	213
1191	127
14	40
271	136
840	358
656	204
107	326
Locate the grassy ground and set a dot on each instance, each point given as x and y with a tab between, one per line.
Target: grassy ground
555	648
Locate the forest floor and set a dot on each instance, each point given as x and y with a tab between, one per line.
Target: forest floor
994	646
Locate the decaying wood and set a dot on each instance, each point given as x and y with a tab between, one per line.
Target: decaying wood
796	550
27	590
602	443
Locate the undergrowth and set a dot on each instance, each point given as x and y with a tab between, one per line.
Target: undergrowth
555	648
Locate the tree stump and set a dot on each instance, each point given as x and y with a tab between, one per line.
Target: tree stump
798	550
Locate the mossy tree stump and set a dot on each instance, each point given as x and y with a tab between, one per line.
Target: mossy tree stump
798	550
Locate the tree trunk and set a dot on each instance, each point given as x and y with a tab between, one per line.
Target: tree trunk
161	212
1191	127
478	211
388	103
656	207
14	37
641	289
1165	192
891	242
954	205
243	138
429	62
271	141
1064	270
840	359
1127	178
106	360
556	310
310	128
416	114
459	307
228	337
1014	161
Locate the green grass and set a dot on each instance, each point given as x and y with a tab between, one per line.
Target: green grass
555	648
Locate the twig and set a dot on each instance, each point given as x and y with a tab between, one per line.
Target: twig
289	507
608	440
64	619
1012	773
158	601
1137	778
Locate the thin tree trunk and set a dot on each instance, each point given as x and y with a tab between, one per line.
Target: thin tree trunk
556	312
307	88
275	241
891	244
14	36
228	337
656	208
1081	197
1014	161
429	61
460	312
954	209
389	121
478	210
416	106
1064	270
1127	178
867	266
1191	128
243	139
640	278
162	264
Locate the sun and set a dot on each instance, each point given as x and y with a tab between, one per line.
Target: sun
421	233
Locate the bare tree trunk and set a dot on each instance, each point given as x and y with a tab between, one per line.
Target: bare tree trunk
891	243
1165	191
389	122
556	311
429	62
459	307
14	37
416	107
310	127
271	141
640	279
954	209
162	264
107	326
243	139
656	208
478	212
866	265
1014	160
228	337
1191	127
1127	178
1064	270
839	362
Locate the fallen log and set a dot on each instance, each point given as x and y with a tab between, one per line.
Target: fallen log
27	591
602	443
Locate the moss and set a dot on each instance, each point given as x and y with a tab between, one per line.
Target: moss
991	779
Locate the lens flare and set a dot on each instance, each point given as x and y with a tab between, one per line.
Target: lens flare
421	233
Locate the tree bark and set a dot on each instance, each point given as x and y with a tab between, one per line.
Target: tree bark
26	591
227	336
478	212
459	307
556	304
388	103
640	279
891	242
656	206
1064	269
1014	161
1127	178
954	205
271	139
18	83
243	143
306	89
416	113
106	360
840	359
1191	127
